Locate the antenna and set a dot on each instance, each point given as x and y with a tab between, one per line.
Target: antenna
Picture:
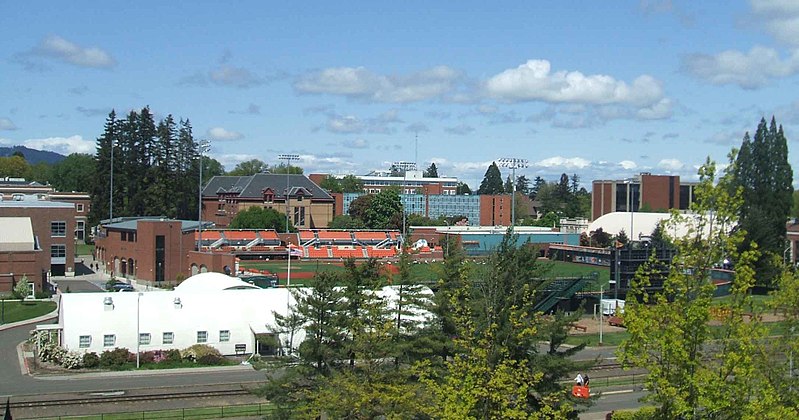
416	149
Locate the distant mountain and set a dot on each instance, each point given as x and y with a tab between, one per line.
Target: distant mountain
33	156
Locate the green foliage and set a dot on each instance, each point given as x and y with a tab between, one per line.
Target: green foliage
462	189
200	351
669	332
22	289
283	169
383	207
249	167
210	360
115	358
643	413
762	170
319	307
346	222
259	218
431	171
14	167
492	181
91	360
331	184
75	173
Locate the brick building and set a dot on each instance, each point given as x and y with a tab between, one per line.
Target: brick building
156	250
643	193
51	225
308	205
414	182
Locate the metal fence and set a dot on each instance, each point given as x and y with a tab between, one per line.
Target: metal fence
262	410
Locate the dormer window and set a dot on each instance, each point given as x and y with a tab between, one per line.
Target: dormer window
269	195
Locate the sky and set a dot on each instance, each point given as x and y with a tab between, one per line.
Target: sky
604	90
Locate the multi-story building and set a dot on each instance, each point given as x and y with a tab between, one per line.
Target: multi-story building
479	210
643	193
308	205
51	225
16	188
413	182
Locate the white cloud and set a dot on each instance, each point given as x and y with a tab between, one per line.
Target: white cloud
62	145
628	164
780	17
671	165
748	70
534	81
234	76
7	124
360	83
229	161
222	134
347	124
57	48
562	162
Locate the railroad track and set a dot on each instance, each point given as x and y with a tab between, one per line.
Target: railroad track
135	395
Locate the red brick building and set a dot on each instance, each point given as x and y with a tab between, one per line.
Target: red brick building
156	250
51	225
308	205
645	192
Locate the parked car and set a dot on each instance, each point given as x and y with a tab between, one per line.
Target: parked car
120	287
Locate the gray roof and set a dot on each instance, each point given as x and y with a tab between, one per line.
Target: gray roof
132	225
252	186
32	201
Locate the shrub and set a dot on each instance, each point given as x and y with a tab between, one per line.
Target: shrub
173	355
115	358
197	351
91	360
644	413
22	289
51	352
210	360
72	360
147	357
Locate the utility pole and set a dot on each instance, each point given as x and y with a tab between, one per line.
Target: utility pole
405	167
288	158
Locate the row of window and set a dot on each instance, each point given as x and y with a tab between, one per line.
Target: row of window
110	340
128	236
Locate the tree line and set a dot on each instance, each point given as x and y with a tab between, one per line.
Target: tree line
479	350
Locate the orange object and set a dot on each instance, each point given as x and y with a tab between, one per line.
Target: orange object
581	391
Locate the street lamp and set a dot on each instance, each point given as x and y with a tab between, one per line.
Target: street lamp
203	147
138	333
405	166
513	164
111	190
288	158
629	183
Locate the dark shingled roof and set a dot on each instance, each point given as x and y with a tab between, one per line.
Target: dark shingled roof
252	186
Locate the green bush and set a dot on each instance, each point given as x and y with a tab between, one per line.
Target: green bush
91	360
173	355
643	413
195	352
115	358
210	360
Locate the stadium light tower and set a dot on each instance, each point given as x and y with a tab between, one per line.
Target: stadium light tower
203	147
513	164
288	158
405	166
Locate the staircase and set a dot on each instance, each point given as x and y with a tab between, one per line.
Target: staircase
562	289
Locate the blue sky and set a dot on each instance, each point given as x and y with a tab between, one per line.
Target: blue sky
600	89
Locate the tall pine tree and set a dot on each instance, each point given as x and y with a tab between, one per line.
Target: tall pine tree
763	172
492	181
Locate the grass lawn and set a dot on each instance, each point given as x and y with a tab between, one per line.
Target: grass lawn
14	310
592	340
84	249
421	272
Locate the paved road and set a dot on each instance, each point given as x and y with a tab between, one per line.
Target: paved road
13	382
615	401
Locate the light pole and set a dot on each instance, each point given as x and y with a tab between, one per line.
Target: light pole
513	164
203	147
601	312
630	205
111	190
138	333
288	158
405	166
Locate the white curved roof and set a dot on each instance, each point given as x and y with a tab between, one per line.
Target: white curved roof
643	224
212	282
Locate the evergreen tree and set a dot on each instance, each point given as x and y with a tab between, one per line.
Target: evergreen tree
431	171
508	187
492	181
762	170
320	308
462	189
538	183
101	190
363	310
523	185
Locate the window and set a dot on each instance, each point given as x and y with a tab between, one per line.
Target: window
144	339
224	335
202	336
85	341
109	340
299	216
79	207
58	251
58	229
168	338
